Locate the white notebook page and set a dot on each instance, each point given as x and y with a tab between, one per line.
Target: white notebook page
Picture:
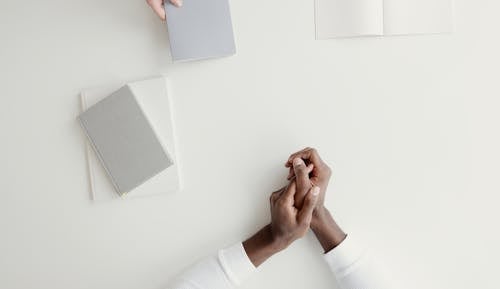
418	16
348	18
353	18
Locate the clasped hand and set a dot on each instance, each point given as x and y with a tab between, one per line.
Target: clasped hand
295	208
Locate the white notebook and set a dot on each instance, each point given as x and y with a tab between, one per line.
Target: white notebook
152	96
352	18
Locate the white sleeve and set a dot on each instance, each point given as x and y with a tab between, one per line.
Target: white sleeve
227	270
354	268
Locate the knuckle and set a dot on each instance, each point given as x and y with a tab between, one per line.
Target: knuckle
301	169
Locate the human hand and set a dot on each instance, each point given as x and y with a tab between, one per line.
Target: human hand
288	223
308	162
318	171
157	6
301	177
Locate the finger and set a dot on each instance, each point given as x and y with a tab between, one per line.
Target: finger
291	173
305	214
177	3
289	193
309	154
288	163
157	6
275	196
298	154
293	156
301	175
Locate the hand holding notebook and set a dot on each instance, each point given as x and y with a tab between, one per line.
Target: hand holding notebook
157	6
200	30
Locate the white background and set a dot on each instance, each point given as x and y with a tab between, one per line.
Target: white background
410	125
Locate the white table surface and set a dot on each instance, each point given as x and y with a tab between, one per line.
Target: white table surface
410	125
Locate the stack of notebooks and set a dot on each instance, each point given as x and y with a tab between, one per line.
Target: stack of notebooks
131	146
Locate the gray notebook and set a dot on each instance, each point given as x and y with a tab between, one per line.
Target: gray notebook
200	29
124	140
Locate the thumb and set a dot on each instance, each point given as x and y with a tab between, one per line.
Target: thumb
305	214
157	6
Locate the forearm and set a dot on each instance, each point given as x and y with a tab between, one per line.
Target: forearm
327	231
262	245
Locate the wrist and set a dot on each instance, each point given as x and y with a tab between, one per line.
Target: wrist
275	243
319	218
328	233
263	245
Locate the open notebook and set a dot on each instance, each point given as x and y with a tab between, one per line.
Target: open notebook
153	99
352	18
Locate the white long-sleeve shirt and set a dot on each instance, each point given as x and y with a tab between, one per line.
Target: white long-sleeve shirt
231	267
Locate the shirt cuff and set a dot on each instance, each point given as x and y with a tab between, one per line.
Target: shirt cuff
236	264
343	258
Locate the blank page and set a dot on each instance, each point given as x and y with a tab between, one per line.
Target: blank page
418	16
349	18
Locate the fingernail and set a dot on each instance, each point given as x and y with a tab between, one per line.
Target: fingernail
297	162
315	191
178	3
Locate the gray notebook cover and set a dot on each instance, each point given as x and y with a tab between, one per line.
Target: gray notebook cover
124	140
200	29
